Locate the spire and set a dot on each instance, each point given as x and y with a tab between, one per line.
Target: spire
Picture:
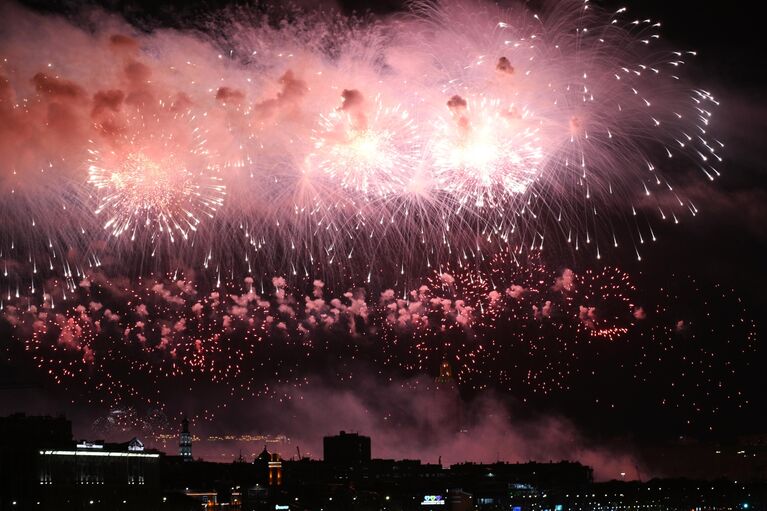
185	441
265	456
445	373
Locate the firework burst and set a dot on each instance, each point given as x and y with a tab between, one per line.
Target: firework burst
154	178
359	141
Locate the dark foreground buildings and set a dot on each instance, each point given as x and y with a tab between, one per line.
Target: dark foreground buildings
346	449
42	467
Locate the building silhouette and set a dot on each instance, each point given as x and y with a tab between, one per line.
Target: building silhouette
270	463
185	441
43	467
448	398
346	449
445	378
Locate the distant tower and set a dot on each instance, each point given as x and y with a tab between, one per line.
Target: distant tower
270	467
275	470
185	441
445	378
448	395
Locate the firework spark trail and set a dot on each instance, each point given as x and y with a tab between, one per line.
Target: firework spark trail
343	143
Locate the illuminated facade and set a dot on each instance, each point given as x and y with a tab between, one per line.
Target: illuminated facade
185	441
445	375
275	470
99	476
95	465
273	464
447	396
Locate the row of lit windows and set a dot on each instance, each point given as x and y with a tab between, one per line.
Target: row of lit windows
137	480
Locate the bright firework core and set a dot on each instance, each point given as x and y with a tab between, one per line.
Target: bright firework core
373	155
486	152
144	185
155	182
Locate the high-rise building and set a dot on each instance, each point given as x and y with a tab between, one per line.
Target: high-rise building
445	378
185	441
346	449
269	468
275	470
447	397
